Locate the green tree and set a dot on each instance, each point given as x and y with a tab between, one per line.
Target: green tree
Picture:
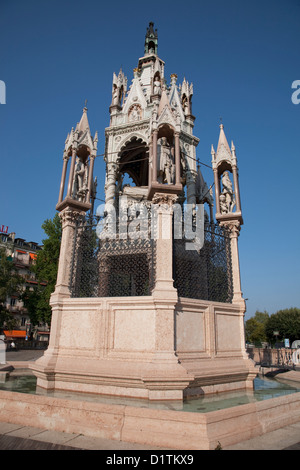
10	284
286	322
45	269
255	328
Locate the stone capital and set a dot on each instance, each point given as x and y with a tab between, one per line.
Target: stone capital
233	226
163	199
70	216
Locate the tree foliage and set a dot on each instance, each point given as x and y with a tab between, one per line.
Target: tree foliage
286	322
262	326
255	328
45	269
10	284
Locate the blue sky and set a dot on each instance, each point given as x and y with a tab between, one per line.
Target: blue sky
242	58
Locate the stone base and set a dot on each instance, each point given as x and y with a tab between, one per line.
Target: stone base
220	376
125	347
144	380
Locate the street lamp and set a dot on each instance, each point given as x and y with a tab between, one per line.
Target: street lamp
276	334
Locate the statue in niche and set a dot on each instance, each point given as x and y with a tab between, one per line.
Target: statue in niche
185	105
170	170
166	167
80	182
157	86
227	200
115	96
223	205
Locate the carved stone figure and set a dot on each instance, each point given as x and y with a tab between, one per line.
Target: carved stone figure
80	180
227	200
157	86
170	171
223	205
119	88
116	96
166	167
134	113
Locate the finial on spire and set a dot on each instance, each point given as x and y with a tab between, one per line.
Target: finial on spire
222	140
151	40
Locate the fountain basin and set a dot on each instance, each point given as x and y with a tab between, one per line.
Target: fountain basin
165	428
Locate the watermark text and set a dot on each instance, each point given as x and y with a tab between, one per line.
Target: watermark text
296	94
139	221
2	92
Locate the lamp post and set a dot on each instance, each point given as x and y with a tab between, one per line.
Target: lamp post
276	334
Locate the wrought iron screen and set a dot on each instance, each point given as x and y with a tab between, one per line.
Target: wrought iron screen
204	274
84	275
126	267
110	267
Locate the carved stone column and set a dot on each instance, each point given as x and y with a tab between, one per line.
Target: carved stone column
48	361
164	244
68	218
217	190
236	188
234	227
111	183
90	182
63	179
177	158
71	175
164	293
150	163
154	156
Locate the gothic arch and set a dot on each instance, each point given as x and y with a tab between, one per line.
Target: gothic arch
168	131
133	158
128	139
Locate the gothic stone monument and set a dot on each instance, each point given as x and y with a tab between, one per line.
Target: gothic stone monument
144	305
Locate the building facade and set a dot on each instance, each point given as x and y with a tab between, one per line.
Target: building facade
23	254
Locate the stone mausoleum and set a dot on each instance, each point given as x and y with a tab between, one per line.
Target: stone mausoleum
148	301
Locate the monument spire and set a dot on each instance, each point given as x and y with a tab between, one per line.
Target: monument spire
222	140
151	40
81	150
83	124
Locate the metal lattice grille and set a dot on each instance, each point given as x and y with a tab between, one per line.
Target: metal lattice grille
126	267
204	274
110	268
84	276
